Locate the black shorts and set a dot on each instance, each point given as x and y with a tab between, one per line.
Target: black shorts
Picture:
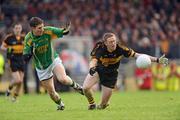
108	77
16	63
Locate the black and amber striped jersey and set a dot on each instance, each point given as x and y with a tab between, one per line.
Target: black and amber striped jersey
110	60
16	44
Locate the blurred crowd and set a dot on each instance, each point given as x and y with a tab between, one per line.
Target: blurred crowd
159	77
149	26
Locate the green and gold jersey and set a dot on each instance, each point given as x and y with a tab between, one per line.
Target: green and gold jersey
41	46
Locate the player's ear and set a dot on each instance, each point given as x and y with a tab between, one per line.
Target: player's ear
32	28
105	42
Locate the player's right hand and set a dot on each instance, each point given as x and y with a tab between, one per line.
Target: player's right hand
92	71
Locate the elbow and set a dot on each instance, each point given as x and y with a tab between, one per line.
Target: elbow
3	48
136	55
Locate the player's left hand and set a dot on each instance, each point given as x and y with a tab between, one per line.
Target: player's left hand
66	27
163	60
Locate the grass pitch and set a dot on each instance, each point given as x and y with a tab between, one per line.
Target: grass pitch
123	106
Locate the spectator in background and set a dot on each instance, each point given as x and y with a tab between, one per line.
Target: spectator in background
160	74
144	78
2	64
145	46
24	21
173	78
164	44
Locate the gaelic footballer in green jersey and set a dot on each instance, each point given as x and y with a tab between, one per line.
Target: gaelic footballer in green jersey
41	46
38	43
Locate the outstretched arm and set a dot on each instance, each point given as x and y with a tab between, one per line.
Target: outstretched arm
162	60
153	59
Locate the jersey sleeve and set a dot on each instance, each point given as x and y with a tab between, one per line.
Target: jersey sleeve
127	52
54	32
96	52
5	41
27	45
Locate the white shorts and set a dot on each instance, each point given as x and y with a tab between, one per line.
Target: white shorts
48	72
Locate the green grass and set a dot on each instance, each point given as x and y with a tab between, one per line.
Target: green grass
123	106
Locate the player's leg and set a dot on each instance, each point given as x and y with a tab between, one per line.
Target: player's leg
60	73
37	81
106	95
25	79
15	81
49	86
14	73
87	85
20	75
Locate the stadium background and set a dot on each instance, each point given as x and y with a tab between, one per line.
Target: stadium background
147	26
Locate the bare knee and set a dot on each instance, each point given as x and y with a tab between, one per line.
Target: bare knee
18	82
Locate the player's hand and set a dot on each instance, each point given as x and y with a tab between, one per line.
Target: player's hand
163	60
66	27
92	71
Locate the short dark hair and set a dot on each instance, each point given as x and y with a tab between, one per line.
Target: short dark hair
35	21
16	23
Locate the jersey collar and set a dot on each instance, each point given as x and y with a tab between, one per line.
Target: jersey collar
33	36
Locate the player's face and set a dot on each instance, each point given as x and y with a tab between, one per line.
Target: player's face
17	29
111	43
38	30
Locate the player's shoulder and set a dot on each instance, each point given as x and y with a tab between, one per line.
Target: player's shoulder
49	29
99	44
28	36
97	48
122	47
9	36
